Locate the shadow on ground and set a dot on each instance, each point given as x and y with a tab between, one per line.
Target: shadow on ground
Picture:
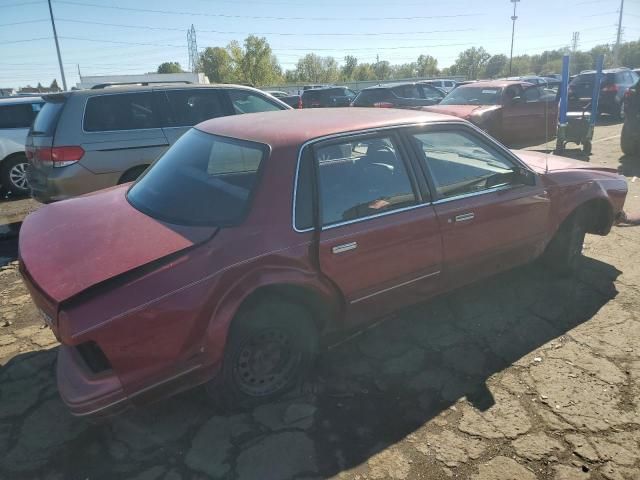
367	394
630	165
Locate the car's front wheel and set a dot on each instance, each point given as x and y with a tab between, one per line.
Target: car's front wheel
13	175
565	249
630	139
271	347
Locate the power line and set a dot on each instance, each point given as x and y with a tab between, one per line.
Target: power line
27	40
19	4
22	23
264	17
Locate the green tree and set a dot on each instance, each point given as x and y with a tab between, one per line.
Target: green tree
495	66
364	71
170	67
217	65
580	61
54	86
602	50
521	65
405	70
629	55
348	69
258	65
382	70
470	62
316	69
426	66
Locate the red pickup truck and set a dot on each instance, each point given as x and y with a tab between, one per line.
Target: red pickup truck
255	236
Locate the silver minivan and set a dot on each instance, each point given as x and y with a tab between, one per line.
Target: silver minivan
86	140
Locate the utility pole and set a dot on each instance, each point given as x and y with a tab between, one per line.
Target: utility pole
55	37
192	46
616	50
513	31
575	39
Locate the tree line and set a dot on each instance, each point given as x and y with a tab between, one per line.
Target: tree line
253	62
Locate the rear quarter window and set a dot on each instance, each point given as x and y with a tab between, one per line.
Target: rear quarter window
16	116
47	118
121	111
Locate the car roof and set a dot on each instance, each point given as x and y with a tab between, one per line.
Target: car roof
320	89
147	88
21	99
494	83
289	128
606	70
390	85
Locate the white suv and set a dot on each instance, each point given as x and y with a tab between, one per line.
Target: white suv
16	116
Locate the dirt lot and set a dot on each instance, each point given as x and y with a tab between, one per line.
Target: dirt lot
523	377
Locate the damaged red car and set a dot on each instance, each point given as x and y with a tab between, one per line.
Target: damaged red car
255	237
512	111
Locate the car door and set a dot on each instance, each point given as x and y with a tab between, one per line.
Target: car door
379	239
518	116
538	112
188	107
492	211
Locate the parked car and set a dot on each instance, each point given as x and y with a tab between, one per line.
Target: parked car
16	116
294	101
399	95
532	79
445	85
86	140
511	111
630	137
233	256
327	97
614	85
277	93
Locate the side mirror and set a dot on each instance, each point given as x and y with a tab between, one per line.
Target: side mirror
526	177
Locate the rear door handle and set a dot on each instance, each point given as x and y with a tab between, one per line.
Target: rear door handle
345	247
465	217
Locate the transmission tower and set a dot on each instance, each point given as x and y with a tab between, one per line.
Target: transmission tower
575	40
192	46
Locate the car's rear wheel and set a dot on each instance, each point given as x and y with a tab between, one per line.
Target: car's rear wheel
630	139
13	175
565	249
132	174
620	113
270	349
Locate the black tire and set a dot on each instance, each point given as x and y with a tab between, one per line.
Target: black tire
13	175
586	147
630	139
132	174
271	347
564	252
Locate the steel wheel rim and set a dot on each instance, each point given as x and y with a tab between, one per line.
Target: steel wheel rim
18	176
266	362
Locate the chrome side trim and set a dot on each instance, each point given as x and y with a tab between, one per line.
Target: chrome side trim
369	217
351	134
139	392
394	287
345	247
473	194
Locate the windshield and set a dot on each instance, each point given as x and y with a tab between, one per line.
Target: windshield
473	96
202	180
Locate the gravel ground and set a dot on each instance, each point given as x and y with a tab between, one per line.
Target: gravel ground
522	377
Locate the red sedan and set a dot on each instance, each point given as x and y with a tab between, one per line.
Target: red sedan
254	236
511	111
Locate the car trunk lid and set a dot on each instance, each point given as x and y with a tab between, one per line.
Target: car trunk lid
542	163
461	111
68	247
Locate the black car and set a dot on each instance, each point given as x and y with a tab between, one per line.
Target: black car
327	97
614	85
630	138
399	95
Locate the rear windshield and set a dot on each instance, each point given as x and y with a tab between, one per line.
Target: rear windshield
369	97
588	78
474	96
202	179
45	122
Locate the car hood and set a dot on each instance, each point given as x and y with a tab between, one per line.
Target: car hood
461	111
543	163
69	246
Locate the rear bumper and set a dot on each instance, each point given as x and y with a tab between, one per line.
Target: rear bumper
55	184
84	393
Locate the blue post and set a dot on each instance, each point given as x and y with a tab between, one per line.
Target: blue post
596	89
564	98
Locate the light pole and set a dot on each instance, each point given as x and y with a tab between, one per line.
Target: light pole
513	31
55	37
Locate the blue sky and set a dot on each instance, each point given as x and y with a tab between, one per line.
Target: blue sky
124	38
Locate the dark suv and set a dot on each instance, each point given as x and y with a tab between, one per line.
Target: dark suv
630	138
86	140
614	85
399	95
327	97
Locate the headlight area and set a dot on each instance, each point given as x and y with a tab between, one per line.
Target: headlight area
485	121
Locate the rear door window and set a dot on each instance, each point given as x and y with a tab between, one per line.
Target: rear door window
190	107
20	115
122	111
47	118
407	91
250	102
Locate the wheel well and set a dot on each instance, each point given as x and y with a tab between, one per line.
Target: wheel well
320	311
124	176
13	155
598	215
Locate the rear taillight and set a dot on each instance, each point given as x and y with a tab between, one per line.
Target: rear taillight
56	156
610	88
299	107
629	92
383	105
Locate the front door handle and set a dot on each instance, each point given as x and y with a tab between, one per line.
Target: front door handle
345	247
465	217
